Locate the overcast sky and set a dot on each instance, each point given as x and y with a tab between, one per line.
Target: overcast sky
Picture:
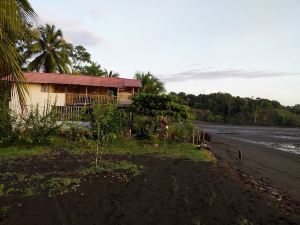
243	47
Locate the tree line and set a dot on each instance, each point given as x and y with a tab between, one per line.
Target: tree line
225	108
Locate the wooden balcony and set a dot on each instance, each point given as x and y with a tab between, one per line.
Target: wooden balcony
87	99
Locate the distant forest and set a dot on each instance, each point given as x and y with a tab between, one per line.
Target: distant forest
225	108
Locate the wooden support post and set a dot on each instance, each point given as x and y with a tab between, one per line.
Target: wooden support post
130	122
240	154
86	95
193	137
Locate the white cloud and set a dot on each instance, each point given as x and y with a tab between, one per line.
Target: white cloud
83	37
198	74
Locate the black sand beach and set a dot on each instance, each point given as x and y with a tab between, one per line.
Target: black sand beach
170	191
262	157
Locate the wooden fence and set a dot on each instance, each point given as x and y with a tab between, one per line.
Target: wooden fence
73	113
88	99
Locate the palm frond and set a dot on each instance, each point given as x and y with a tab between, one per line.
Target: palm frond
13	14
54	48
10	68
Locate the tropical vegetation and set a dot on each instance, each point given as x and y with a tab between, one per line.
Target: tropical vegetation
49	51
110	73
225	108
150	83
14	16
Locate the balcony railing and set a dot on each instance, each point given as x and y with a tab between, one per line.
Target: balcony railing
83	99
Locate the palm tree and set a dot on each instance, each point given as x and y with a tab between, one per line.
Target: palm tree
50	51
14	15
150	84
110	73
94	69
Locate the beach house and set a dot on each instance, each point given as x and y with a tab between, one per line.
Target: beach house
71	92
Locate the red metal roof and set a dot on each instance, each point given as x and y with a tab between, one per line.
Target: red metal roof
53	78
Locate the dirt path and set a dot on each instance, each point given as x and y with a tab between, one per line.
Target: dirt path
170	191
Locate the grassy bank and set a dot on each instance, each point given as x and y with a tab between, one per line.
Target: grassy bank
124	146
13	152
130	146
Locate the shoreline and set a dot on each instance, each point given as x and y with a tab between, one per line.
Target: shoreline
197	122
278	169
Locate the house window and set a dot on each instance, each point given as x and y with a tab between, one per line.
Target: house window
44	88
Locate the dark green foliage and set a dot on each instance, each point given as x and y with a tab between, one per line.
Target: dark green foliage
223	107
150	84
79	56
146	126
110	73
7	120
109	122
153	105
150	110
93	69
182	131
75	132
39	125
294	109
13	17
50	51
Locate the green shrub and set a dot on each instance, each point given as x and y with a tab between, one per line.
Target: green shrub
144	126
153	111
75	132
109	122
155	106
37	126
182	131
8	125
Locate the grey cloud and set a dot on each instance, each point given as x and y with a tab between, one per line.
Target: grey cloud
74	31
83	37
198	74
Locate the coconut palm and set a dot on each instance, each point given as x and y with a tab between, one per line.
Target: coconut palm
14	14
150	84
110	73
50	51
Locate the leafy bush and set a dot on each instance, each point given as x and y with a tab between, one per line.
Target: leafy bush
76	132
144	126
153	112
152	105
37	126
8	128
109	122
182	131
287	118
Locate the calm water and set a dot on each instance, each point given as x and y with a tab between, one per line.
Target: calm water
284	139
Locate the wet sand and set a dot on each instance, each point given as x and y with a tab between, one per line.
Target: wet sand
261	156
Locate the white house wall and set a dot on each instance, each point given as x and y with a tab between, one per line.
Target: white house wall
36	97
